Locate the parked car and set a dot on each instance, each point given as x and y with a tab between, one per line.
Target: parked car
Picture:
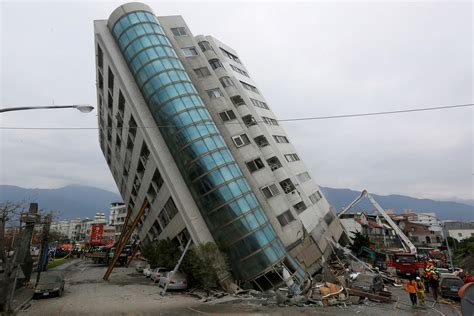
178	281
368	282
140	266
147	271
157	273
449	285
443	270
50	283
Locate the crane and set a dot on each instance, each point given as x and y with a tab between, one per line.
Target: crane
406	243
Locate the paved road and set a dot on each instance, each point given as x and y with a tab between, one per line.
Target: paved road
129	293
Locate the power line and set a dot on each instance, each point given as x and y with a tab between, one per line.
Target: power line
446	107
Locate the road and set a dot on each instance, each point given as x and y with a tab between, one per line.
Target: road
129	293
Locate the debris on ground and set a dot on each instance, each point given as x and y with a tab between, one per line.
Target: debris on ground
342	281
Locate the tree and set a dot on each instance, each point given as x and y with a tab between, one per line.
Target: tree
206	263
162	253
359	241
56	237
203	264
9	215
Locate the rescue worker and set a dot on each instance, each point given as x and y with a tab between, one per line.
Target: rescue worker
420	290
410	287
426	279
434	283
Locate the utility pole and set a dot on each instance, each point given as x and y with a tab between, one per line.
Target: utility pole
22	257
447	246
170	274
43	258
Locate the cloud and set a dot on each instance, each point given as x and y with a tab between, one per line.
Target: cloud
308	59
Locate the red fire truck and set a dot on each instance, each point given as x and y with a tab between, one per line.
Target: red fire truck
406	263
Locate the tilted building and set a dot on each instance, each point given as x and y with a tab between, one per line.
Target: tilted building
183	125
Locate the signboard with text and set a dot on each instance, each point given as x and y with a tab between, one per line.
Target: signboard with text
97	232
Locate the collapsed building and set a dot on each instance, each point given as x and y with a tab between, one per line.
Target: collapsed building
183	126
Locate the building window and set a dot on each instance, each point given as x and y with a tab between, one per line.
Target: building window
269	121
100	57
285	218
178	31
249	120
255	165
230	55
240	71
249	87
300	207
110	103
132	127
214	93
261	141
163	218
287	186
101	81
241	140
111	81
202	72
190	51
227	115
170	209
292	157
226	82
259	104
215	63
270	190
183	237
280	139
303	177
237	100
204	45
274	163
157	181
144	154
151	194
157	228
315	197
121	104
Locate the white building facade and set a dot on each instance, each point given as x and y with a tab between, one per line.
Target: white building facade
118	213
183	125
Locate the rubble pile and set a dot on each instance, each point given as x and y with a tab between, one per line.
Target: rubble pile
343	280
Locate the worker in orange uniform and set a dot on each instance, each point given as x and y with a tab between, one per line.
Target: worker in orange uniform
420	290
410	287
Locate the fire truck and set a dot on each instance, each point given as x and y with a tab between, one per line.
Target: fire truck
405	262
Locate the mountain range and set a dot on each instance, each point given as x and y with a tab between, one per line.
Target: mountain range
72	201
81	201
444	210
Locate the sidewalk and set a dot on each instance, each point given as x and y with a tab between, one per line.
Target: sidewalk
24	294
66	265
22	297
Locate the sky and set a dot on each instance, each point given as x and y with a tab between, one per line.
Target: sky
307	58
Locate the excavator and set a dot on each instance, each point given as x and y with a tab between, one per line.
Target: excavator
405	262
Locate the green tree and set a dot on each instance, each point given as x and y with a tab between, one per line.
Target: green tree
161	253
203	264
359	241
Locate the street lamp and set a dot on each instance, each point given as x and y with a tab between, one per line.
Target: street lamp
84	108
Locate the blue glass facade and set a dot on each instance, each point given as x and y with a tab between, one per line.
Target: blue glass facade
226	202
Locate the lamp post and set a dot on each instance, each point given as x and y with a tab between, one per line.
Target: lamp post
84	108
